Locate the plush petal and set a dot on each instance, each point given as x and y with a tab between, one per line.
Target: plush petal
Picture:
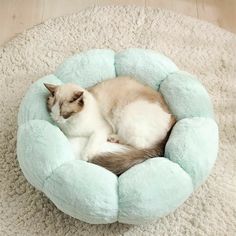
193	144
84	191
88	68
145	65
41	148
151	190
186	96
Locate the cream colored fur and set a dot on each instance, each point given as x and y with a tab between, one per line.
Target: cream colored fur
120	106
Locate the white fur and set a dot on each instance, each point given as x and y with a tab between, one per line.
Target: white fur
87	123
55	114
77	145
140	124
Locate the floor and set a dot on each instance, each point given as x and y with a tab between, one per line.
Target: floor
18	15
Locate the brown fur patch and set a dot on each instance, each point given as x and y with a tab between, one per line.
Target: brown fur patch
69	96
68	110
121	162
51	88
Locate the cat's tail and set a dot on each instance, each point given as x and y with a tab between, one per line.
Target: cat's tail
119	162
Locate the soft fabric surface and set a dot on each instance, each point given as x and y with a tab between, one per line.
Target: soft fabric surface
144	193
195	46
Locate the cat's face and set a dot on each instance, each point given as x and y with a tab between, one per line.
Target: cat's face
64	101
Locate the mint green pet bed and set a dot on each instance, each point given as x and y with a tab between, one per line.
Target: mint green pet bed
145	192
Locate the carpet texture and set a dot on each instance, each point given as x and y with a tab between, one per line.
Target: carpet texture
197	47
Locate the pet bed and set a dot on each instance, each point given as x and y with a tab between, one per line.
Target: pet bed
145	192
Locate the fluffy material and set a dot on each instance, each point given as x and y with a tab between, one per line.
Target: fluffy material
148	65
90	67
190	97
193	144
146	191
195	46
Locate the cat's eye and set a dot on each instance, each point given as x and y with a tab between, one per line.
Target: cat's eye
67	115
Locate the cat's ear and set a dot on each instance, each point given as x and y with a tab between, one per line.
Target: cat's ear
51	88
78	96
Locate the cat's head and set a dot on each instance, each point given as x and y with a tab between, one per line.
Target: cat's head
64	101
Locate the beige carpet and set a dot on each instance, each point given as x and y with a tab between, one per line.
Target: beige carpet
195	46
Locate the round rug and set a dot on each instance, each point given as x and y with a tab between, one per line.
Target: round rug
195	46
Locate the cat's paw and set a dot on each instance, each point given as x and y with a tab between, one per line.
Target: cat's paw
87	155
113	138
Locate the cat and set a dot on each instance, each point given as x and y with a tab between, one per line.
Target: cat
121	110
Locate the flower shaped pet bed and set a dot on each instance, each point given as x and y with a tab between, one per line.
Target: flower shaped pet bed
148	190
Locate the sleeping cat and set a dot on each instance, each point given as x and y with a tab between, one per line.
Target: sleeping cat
119	110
